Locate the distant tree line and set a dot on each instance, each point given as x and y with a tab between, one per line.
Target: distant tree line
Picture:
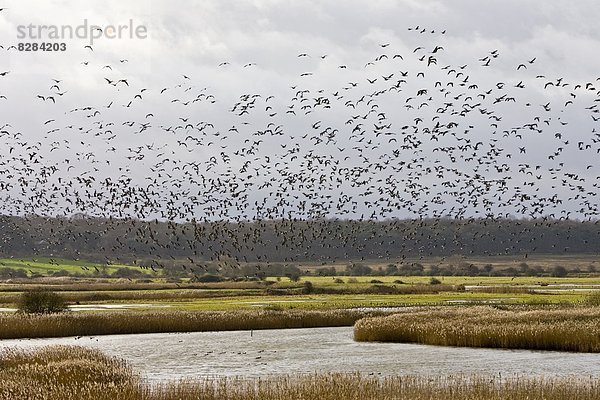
461	269
227	244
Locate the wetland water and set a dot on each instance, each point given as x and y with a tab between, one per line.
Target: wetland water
290	351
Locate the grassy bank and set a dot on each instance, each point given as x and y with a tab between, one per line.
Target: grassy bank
565	329
66	372
13	326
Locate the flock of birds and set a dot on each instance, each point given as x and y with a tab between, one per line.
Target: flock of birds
404	134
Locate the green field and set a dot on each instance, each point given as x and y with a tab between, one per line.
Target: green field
46	266
329	302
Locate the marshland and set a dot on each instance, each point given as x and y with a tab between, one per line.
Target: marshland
284	338
247	341
299	200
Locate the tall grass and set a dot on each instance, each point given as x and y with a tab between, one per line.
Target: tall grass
565	329
103	285
502	289
141	295
13	326
67	372
334	386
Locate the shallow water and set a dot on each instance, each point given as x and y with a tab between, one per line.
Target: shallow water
101	307
257	353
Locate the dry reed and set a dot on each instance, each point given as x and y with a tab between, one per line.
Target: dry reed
565	329
13	326
118	285
502	289
141	295
65	372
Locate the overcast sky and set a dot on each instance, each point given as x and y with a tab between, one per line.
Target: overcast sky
332	50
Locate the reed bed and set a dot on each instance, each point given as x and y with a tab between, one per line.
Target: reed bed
357	387
96	285
67	372
502	289
142	295
14	326
575	329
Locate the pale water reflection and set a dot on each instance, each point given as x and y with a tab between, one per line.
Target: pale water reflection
258	353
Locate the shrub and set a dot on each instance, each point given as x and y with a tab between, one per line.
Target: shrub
10	273
391	269
434	281
381	289
294	276
206	278
591	268
308	288
128	273
326	271
41	302
358	269
559	271
411	269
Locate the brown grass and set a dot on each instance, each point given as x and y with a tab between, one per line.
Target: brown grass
502	289
13	326
564	329
141	295
358	387
90	284
67	372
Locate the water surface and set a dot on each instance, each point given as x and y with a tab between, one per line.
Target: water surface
290	351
